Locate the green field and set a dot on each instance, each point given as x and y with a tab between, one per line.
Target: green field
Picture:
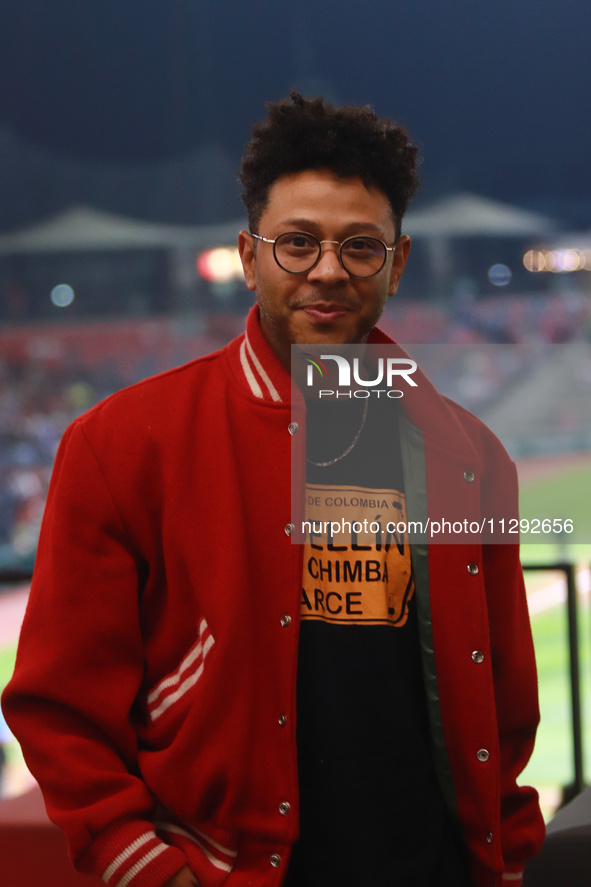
552	762
565	494
7	657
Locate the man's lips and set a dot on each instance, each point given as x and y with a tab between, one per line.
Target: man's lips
325	312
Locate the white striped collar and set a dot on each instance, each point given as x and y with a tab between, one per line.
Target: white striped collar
265	375
255	372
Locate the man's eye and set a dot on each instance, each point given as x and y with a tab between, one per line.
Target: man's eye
298	241
361	245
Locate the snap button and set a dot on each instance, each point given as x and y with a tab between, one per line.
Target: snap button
285	621
284	808
473	569
282	720
489	838
483	755
289	528
275	860
293	428
469	476
478	657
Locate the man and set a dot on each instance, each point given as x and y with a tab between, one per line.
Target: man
155	687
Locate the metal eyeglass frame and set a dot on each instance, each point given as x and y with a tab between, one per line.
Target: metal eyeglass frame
339	243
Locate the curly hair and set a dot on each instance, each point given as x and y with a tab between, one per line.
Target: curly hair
308	133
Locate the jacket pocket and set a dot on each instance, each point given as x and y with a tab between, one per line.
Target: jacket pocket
177	683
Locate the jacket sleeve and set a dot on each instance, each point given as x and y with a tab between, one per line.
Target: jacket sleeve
516	690
78	670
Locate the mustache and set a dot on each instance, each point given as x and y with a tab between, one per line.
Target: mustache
346	304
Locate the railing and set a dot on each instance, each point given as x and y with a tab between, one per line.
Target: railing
14	574
569	571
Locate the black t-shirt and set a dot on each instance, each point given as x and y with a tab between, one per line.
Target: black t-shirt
371	808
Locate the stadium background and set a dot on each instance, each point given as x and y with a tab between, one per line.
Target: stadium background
120	134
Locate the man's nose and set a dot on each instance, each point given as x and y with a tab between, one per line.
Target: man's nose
328	268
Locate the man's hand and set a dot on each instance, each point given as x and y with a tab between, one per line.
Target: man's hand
184	878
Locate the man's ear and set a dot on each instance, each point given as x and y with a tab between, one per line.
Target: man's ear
400	257
247	257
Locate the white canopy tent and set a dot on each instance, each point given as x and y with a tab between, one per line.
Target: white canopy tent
469	215
83	228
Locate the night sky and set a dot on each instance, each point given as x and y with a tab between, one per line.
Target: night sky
143	107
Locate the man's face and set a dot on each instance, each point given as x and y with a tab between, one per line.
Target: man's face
324	305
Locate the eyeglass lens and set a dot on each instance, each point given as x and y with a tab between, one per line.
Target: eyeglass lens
298	252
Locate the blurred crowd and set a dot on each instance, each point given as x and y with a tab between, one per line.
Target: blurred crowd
36	405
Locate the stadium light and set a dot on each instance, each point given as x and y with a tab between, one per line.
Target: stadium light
62	295
558	261
220	265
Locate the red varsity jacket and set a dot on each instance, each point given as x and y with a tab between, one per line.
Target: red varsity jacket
154	691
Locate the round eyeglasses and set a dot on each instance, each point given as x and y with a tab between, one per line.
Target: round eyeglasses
297	252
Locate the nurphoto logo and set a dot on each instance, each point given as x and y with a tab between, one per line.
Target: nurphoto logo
352	372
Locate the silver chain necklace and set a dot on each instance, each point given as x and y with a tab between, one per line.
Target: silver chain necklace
349	448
